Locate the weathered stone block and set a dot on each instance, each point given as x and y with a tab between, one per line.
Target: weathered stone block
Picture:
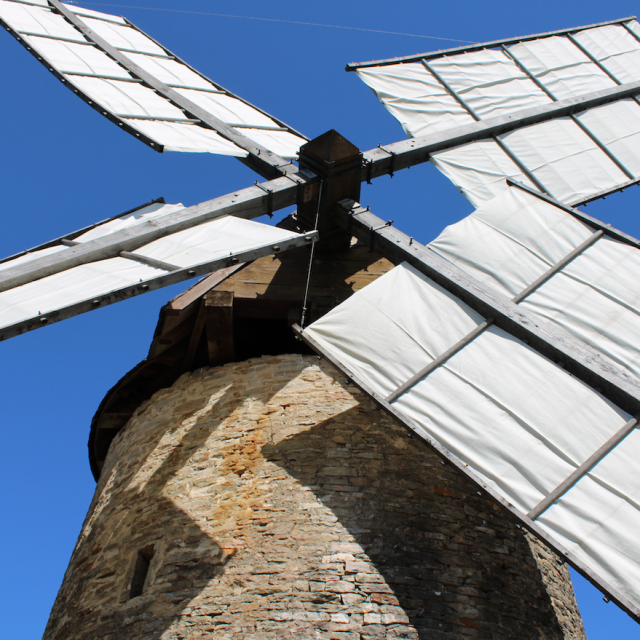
277	503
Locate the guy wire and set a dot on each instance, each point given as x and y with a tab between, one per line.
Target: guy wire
313	248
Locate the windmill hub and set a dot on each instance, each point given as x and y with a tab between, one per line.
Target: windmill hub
338	165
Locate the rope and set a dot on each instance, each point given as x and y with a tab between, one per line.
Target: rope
306	24
313	248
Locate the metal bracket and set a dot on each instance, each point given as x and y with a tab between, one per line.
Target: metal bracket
269	198
368	167
392	164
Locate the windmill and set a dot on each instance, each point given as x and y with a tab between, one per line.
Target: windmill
381	161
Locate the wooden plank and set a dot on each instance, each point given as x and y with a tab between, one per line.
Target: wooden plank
440	360
285	275
558	266
218	312
167	322
180	302
152	262
247	203
584	468
275	292
252	289
196	336
577	358
450	458
176	312
262	160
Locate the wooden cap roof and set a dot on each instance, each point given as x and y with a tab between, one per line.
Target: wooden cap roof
236	313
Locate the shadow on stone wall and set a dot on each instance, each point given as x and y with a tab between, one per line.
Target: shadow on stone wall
423	556
93	601
453	560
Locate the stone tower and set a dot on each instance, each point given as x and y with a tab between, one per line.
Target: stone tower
245	491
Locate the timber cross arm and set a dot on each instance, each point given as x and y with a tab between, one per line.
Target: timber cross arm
576	357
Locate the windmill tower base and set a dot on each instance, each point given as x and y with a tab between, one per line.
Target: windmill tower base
266	499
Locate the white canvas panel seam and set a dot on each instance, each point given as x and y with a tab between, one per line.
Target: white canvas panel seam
227	108
338	329
90	13
169	71
76	58
589	308
593	298
489	82
565	160
175	136
69	287
127	98
561	67
39	3
215	239
617	125
530	377
420	334
547	234
122	37
600	527
478	170
34	20
32	255
615	48
415	98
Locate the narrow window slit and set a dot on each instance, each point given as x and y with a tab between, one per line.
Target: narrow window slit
140	571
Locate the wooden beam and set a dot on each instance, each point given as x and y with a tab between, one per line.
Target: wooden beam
196	336
583	469
151	284
439	361
247	203
179	303
407	153
261	159
577	358
151	262
218	313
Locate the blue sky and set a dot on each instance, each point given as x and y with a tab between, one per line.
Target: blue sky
64	167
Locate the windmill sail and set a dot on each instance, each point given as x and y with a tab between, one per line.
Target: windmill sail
144	88
91	270
511	243
546	444
574	158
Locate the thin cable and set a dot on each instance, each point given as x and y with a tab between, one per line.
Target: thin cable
307	24
313	247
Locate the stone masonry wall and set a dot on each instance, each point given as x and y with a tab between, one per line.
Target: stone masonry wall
276	502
